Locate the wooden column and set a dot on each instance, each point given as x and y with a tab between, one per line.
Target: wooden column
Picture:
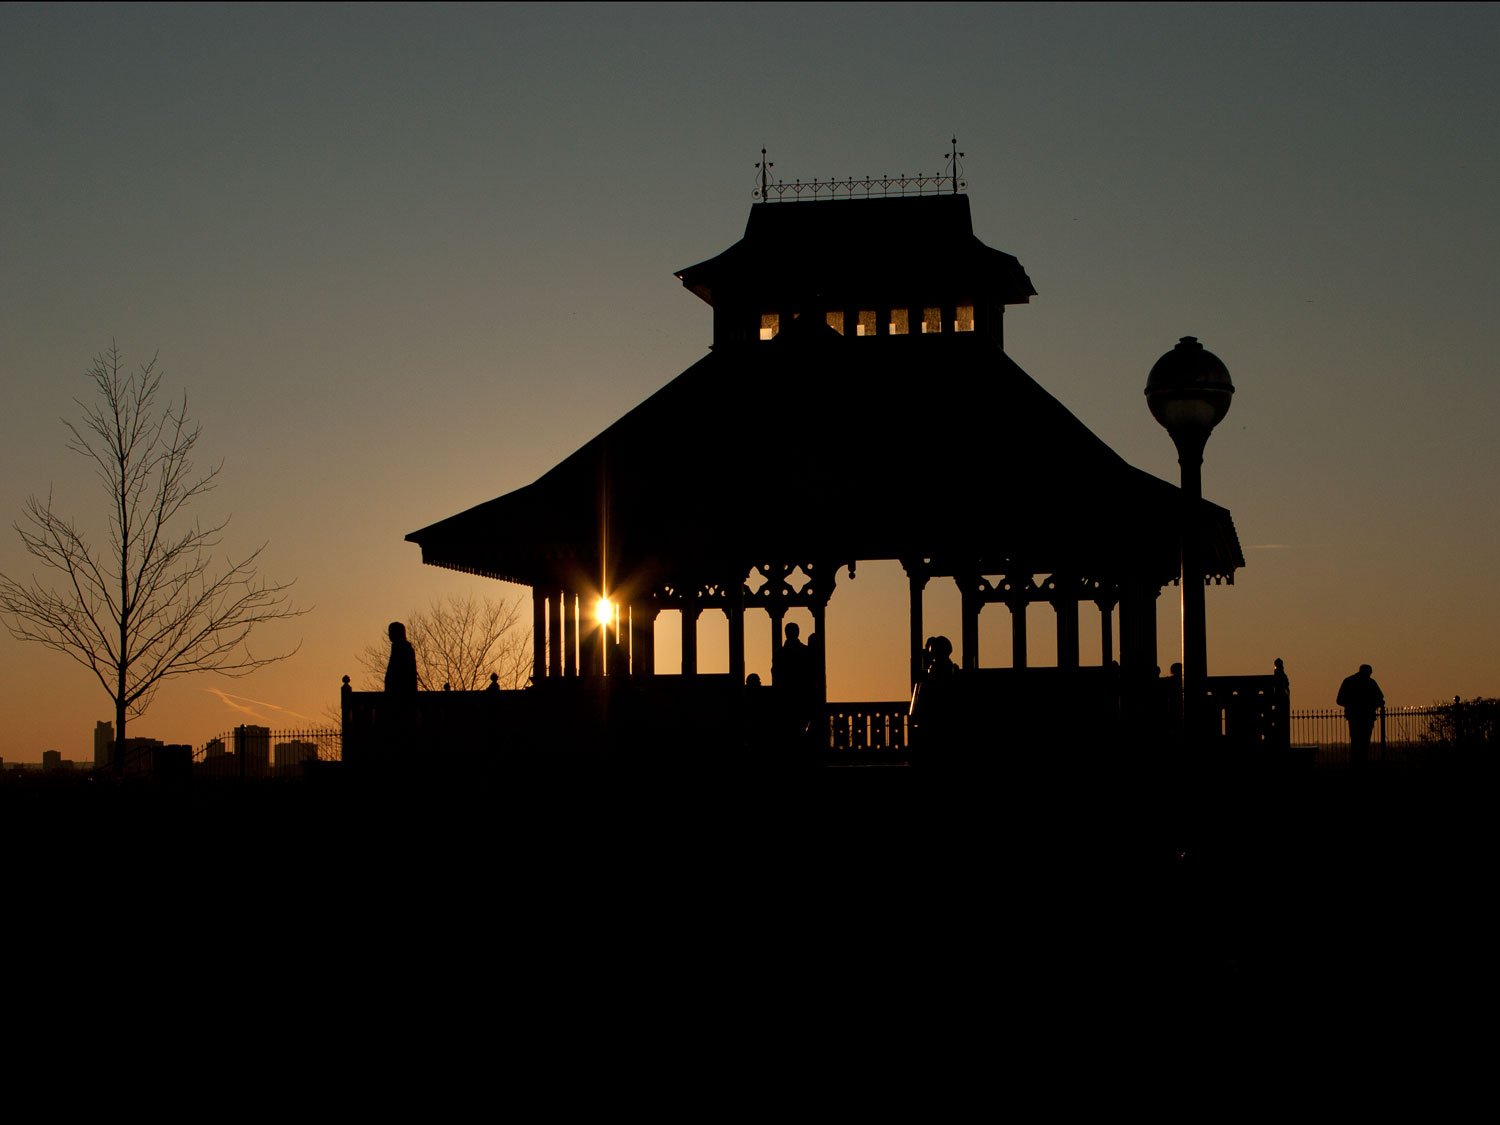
1106	628
1065	605
916	582
555	655
736	612
1138	626
689	635
538	634
642	639
570	633
1017	632
820	656
970	606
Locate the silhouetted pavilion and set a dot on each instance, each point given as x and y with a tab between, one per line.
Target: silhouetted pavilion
857	404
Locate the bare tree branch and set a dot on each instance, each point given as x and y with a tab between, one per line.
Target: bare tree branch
152	604
459	642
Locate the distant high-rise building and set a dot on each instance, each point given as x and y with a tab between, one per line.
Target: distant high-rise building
253	745
294	753
51	760
217	761
104	736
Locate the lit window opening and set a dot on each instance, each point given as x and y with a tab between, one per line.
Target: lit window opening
866	325
963	320
770	324
898	322
836	321
932	320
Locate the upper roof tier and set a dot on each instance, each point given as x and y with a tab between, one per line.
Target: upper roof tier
848	253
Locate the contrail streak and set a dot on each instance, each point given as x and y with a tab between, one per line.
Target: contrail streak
247	706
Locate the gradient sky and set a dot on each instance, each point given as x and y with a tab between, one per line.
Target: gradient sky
403	260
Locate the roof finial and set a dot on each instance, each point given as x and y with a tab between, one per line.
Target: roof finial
765	166
954	169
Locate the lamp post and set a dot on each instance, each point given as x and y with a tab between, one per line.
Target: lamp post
1188	392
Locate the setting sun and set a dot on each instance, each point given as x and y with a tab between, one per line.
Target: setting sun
604	611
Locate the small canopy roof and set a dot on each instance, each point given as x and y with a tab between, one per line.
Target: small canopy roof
861	246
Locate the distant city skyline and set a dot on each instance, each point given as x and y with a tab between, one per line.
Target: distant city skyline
404	260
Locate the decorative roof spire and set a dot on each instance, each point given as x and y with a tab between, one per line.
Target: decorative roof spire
954	171
765	166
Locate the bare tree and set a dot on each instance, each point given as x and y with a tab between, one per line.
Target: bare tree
150	603
459	642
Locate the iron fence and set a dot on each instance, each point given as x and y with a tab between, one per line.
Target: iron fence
1402	736
249	753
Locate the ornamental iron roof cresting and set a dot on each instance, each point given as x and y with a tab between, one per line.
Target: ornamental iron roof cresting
866	187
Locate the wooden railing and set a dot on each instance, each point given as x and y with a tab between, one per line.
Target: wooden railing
1035	711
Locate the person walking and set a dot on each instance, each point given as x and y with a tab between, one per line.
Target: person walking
1360	697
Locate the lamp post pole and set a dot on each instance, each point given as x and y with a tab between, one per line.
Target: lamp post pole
1189	391
1191	581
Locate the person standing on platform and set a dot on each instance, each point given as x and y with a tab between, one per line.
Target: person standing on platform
398	712
790	677
1361	698
401	668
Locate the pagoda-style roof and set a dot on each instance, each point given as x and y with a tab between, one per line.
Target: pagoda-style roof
814	446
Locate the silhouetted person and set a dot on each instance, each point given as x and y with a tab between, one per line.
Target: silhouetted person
401	668
791	672
934	704
789	665
1360	697
398	718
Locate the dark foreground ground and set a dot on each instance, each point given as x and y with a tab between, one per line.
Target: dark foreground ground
978	914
